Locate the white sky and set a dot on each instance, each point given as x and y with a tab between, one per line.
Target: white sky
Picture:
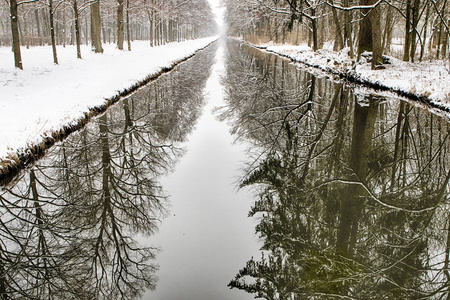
218	11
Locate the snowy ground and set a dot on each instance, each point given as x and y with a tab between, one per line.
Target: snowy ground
430	79
44	97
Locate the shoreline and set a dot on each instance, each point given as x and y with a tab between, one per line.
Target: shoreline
345	69
18	160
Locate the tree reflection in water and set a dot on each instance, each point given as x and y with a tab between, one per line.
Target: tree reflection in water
69	226
353	188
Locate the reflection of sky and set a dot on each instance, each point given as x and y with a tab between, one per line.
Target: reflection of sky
208	238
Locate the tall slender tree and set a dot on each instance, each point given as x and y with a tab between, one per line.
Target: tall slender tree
96	27
120	25
15	34
52	31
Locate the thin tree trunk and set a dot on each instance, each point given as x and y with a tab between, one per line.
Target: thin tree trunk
444	44
38	26
348	16
407	47
438	46
128	25
377	51
120	31
314	30
26	37
86	31
150	19
96	27
365	31
339	41
15	34
441	30
387	34
64	30
77	28
52	32
152	29
415	23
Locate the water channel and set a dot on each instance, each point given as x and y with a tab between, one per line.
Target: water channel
239	174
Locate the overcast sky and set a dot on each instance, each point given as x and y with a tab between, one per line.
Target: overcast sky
218	11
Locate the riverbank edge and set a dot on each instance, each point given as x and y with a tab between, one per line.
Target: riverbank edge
353	77
12	164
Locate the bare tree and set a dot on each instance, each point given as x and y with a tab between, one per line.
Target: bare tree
15	34
96	26
120	24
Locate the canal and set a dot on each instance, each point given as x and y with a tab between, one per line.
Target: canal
238	174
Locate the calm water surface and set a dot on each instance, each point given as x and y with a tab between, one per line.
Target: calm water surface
348	193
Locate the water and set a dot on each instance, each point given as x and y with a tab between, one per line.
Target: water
208	235
354	186
347	190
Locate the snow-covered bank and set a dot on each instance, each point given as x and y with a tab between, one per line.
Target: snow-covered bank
426	81
43	98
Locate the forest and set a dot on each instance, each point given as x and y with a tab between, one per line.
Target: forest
411	30
75	22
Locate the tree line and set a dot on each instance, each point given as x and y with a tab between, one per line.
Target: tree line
360	25
75	22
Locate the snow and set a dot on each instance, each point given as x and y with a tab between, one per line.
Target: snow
428	79
45	97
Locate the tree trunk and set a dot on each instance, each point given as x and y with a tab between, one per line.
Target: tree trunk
444	44
77	28
365	31
348	29
38	26
387	34
26	38
150	19
52	32
339	42
15	35
86	31
156	31
96	27
377	51
439	37
152	29
315	39
415	23
120	32
406	50
128	25
64	30
425	28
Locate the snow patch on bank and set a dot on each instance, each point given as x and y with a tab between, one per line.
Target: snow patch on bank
45	97
427	79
